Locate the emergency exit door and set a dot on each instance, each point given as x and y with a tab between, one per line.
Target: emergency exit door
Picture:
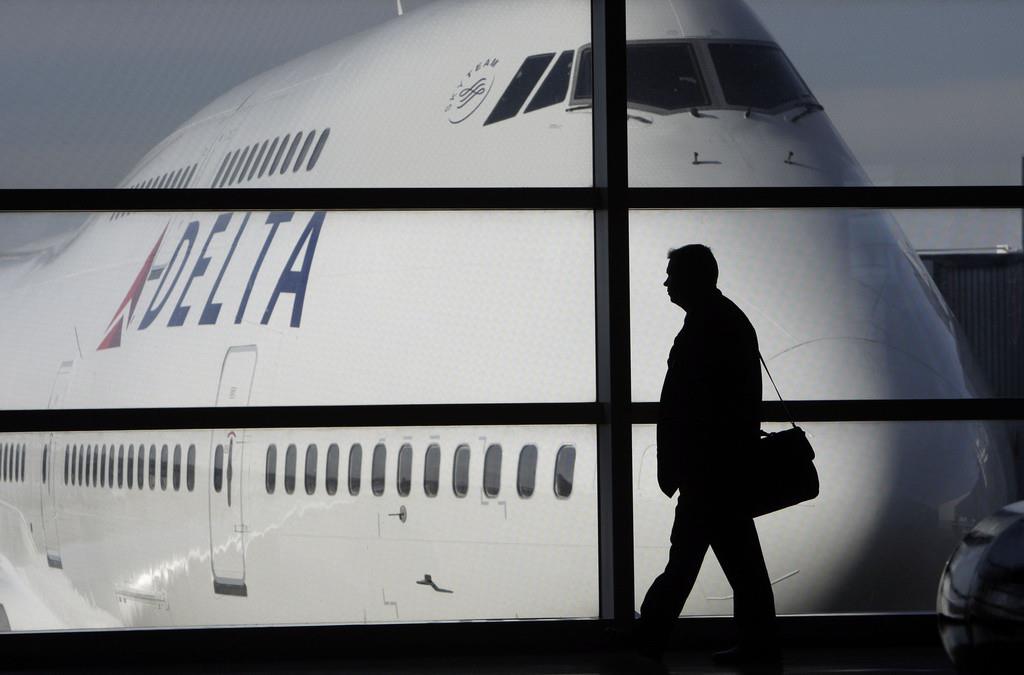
227	451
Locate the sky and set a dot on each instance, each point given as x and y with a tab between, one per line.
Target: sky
925	92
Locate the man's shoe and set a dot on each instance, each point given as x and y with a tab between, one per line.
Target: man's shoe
741	655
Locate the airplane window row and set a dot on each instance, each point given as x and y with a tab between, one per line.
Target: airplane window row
270	157
12	463
97	465
526	475
171	180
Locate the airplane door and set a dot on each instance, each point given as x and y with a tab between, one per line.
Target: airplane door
47	491
227	447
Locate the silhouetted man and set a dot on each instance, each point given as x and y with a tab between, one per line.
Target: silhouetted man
708	423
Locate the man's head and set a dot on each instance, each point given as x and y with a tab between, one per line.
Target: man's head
692	274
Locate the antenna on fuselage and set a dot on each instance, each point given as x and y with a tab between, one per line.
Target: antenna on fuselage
398	6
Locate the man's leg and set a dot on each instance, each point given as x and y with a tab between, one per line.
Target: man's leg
667	595
735	543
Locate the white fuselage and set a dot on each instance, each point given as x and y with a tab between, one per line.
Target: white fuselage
338	308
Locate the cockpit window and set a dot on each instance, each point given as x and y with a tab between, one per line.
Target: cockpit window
660	75
664	75
519	88
756	76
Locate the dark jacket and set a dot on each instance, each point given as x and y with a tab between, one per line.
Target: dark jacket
709	415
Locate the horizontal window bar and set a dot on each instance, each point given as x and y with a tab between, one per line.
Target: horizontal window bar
930	197
355	199
300	199
115	419
270	417
887	410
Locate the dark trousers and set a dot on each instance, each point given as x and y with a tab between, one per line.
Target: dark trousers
733	538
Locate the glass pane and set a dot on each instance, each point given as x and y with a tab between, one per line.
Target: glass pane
545	544
311	454
397	300
289	468
432	470
176	481
492	471
460	471
847	103
404	470
355	469
526	476
99	106
895	500
843	306
331	473
380	454
271	469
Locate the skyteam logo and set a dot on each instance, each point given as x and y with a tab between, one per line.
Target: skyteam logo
235	266
471	91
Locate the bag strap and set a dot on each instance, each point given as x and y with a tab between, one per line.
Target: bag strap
779	394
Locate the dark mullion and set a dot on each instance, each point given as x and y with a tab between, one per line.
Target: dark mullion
884	410
937	197
299	199
117	419
611	239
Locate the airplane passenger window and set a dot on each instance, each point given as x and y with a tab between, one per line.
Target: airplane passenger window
355	469
432	470
404	470
190	474
220	171
191	173
526	477
74	463
380	454
177	178
152	467
280	151
131	465
519	88
230	169
291	152
218	468
266	160
141	482
103	466
22	474
120	466
256	162
238	166
243	176
311	469
176	476
81	465
492	471
271	470
318	149
163	467
66	453
565	464
96	473
331	473
3	462
756	76
46	451
289	469
460	471
88	466
555	86
110	467
305	149
664	75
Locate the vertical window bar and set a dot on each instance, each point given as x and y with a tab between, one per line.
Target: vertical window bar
611	238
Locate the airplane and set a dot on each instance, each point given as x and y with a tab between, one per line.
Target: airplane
353	525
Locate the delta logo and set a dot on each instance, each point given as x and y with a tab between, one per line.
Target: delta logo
175	280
